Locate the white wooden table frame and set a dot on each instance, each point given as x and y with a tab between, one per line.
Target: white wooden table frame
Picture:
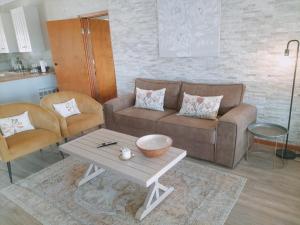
145	171
92	172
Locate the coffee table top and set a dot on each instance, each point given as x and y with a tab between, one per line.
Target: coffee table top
140	169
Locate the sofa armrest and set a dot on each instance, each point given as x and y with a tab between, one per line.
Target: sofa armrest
120	103
232	138
4	152
116	104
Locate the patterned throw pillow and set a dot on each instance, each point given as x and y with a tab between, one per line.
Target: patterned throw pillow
67	109
201	107
149	99
15	124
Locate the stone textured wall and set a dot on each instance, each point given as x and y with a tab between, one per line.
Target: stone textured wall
254	34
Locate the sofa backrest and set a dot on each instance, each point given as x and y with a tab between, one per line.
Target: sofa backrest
233	93
172	89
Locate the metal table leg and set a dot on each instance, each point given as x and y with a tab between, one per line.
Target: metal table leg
248	145
275	150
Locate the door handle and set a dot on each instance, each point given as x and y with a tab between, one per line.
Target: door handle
55	64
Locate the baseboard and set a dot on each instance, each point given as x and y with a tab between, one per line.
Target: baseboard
280	145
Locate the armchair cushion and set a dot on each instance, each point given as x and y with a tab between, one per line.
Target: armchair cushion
27	142
82	122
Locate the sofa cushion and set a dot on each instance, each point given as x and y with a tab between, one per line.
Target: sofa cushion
82	122
29	141
188	128
232	93
172	90
137	118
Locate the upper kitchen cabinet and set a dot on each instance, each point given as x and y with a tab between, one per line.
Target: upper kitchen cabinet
28	29
8	42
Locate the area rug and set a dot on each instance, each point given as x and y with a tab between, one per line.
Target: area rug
202	196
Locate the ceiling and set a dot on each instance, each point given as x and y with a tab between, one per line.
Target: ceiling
2	2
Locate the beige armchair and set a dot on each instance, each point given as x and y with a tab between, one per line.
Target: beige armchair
91	112
46	132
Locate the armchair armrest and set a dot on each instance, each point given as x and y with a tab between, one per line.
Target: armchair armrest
87	104
62	123
45	119
4	152
232	138
116	104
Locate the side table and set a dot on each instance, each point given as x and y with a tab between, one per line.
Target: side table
270	131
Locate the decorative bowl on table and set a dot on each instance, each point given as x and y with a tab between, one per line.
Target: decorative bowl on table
154	145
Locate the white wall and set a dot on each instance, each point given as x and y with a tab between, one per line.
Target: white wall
62	9
254	34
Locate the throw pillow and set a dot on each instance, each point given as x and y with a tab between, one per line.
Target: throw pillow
15	124
67	109
201	107
150	99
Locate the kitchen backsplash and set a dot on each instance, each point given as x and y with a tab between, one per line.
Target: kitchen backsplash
7	60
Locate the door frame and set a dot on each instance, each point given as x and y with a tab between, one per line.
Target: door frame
94	14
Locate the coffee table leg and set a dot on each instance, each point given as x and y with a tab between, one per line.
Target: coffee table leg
90	173
156	194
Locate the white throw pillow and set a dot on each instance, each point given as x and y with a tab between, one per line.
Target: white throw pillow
67	109
201	107
150	99
15	124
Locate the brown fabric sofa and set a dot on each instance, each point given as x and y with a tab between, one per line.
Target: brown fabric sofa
223	141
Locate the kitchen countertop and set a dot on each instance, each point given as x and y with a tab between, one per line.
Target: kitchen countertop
10	76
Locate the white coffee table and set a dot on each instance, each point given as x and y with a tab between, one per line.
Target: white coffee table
140	169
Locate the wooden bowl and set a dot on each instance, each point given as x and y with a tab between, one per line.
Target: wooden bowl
154	145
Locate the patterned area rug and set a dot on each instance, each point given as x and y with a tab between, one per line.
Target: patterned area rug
202	196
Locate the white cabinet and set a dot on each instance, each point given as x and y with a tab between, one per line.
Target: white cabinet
27	26
8	42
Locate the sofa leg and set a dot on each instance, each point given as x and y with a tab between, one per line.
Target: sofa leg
9	172
66	140
57	144
62	154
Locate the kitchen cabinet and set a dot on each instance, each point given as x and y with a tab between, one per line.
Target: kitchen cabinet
8	42
27	27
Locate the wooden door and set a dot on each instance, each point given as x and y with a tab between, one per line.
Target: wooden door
68	54
103	57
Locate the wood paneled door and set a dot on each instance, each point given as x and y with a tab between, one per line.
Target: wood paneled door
103	56
82	55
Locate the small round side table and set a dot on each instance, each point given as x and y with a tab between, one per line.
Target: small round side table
268	131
